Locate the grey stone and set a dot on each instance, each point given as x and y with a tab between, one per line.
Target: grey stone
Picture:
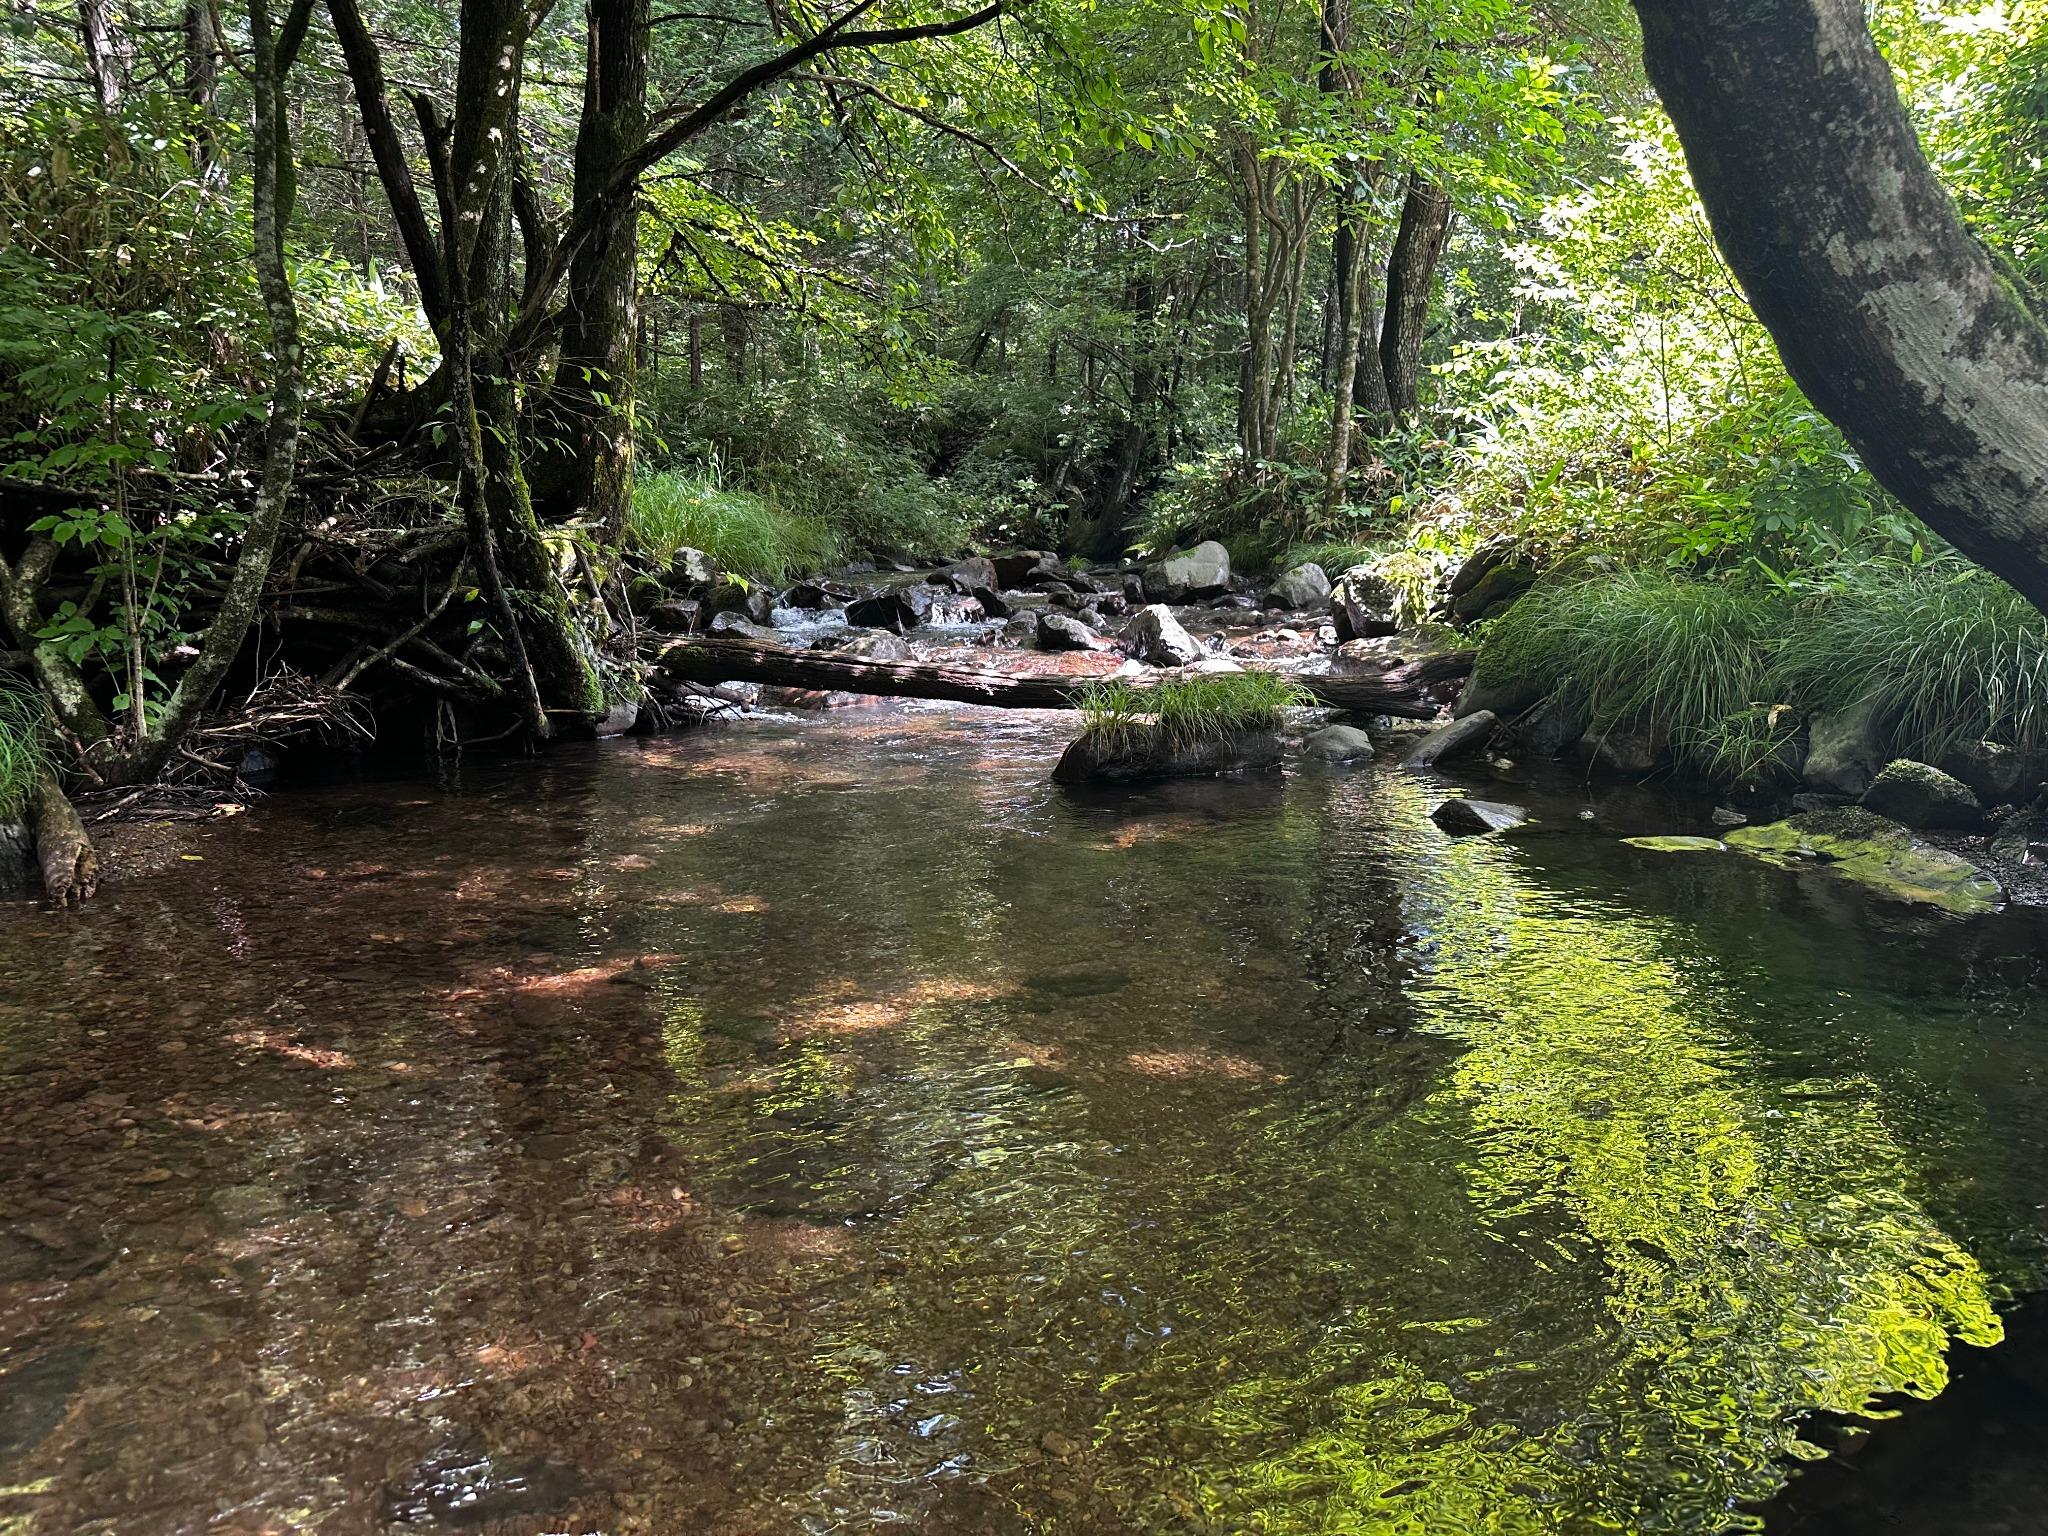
1448	741
619	718
1339	744
1844	750
1995	774
18	873
1494	593
1154	635
1552	727
966	576
899	608
675	616
693	571
1363	606
739	624
1471	818
1303	588
1063	632
1626	750
1201	572
1923	797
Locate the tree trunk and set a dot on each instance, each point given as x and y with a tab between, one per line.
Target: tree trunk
107	53
588	467
1890	316
1411	274
1414	690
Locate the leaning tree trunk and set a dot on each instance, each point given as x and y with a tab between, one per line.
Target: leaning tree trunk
1890	316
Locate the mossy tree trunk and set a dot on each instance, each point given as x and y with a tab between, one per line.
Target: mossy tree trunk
1890	315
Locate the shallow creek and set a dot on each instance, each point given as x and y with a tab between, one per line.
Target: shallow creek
813	1127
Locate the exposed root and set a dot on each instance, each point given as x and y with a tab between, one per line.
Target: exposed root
71	869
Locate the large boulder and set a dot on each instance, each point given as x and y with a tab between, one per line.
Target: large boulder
1631	751
1844	750
1338	744
1203	571
691	570
1018	568
1553	727
1154	635
1473	818
870	645
1143	751
1923	797
1363	605
1881	855
813	596
1064	632
1303	588
673	616
900	609
1482	694
739	624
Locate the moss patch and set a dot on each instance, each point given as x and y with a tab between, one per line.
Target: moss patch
1877	853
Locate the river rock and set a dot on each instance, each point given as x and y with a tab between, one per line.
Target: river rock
900	609
1339	744
1202	572
755	604
1142	751
1020	566
1552	727
1363	605
1677	844
1064	632
1447	741
1995	774
2022	838
691	570
739	624
1303	588
1863	846
1472	818
872	646
673	616
1630	751
1844	750
618	719
1923	797
1154	635
1489	581
814	596
1505	699
991	602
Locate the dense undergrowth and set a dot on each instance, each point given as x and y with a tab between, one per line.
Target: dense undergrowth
24	750
1943	653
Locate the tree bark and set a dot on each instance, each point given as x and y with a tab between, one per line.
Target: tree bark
64	851
1415	690
1891	317
588	466
1411	274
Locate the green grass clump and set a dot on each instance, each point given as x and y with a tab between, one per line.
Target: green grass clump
1206	707
1947	653
746	534
24	750
1655	649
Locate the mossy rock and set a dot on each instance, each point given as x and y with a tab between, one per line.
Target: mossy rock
1678	844
1921	796
1882	855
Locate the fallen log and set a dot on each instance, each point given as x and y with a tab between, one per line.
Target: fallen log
1414	690
71	870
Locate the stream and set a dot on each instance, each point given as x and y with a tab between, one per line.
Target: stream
827	1125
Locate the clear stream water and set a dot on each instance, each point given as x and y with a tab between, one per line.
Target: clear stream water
816	1127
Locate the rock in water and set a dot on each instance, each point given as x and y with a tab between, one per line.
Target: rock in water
1678	844
1142	751
1924	798
755	604
966	576
899	608
1155	636
1202	572
1844	751
1862	846
1447	741
1062	632
619	718
1301	589
1339	744
1363	606
1470	818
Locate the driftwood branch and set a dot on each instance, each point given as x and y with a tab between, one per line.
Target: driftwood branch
1414	690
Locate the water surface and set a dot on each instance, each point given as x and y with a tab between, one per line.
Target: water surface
817	1127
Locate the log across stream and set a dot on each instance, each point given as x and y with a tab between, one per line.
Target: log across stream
1414	690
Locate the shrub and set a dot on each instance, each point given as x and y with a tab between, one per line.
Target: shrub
745	534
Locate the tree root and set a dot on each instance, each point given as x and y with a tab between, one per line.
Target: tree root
71	869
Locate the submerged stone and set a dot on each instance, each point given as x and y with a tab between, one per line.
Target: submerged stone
1677	844
1862	846
1339	744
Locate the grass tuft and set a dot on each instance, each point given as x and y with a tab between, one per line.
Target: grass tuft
746	534
24	750
1206	707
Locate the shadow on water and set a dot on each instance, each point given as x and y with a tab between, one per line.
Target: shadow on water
810	1128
